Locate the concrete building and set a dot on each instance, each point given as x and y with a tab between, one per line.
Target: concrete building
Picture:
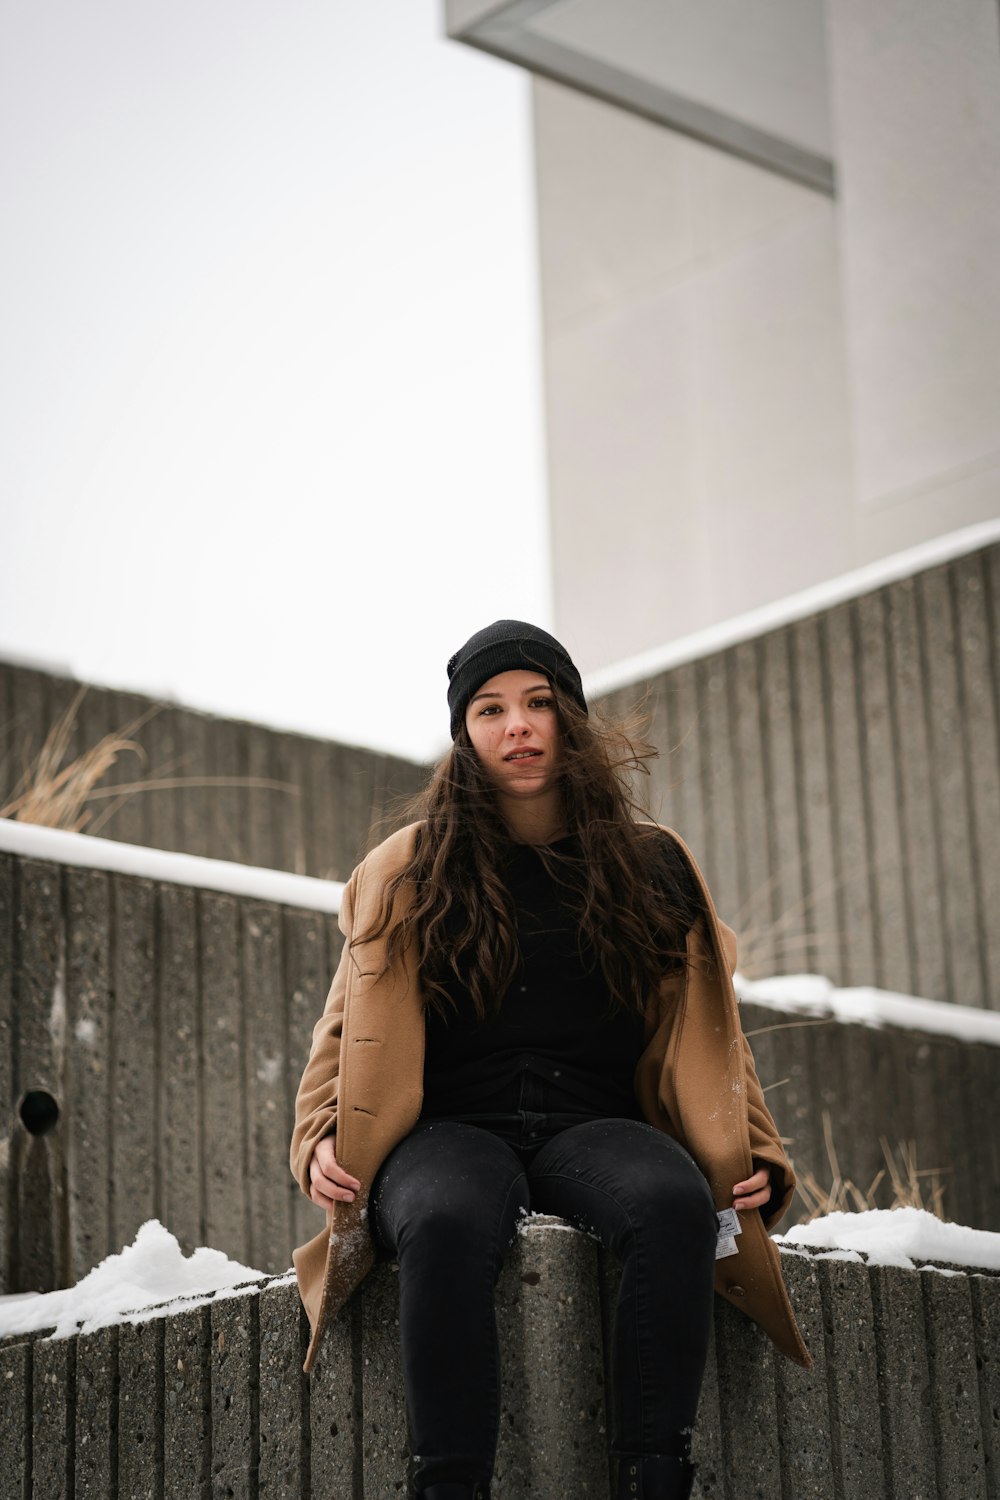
769	247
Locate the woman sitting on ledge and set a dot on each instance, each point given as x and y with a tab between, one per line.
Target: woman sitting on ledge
534	1011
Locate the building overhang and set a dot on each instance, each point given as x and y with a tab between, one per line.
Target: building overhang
747	76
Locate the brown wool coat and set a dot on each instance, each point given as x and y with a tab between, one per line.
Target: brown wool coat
695	1080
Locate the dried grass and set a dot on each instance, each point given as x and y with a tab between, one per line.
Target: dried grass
57	796
910	1188
765	944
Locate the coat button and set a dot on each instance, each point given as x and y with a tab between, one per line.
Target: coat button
735	1291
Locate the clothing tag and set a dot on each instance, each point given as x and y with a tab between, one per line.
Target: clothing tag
729	1222
729	1228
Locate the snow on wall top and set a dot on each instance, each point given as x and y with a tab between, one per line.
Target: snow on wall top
193	870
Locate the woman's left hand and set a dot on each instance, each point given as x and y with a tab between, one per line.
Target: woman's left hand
754	1192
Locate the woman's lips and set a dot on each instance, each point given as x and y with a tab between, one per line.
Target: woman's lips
516	755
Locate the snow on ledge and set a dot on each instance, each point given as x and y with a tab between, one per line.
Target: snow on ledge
152	1278
812	995
55	844
799	606
146	1279
907	1237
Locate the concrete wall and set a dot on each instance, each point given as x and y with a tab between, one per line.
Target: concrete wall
170	1027
315	821
901	1402
752	386
152	1038
839	780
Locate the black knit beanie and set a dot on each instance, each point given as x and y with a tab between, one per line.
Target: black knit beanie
508	646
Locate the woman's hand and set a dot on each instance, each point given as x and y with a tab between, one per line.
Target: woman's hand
329	1180
754	1192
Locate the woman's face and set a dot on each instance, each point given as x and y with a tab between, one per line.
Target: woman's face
514	729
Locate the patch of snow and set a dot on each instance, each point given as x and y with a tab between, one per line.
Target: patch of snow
269	1071
798	606
812	995
57	1014
82	850
898	1237
127	1286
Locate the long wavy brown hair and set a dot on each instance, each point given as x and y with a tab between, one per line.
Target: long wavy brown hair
633	912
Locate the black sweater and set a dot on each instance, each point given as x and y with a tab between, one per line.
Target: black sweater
556	1021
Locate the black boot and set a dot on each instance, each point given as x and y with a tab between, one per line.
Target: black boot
654	1477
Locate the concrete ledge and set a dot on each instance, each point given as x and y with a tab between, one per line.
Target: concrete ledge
902	1401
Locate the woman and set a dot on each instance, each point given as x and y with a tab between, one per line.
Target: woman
533	1011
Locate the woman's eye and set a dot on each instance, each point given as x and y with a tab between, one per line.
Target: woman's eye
541	703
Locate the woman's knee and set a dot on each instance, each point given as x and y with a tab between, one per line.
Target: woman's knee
676	1190
652	1181
445	1186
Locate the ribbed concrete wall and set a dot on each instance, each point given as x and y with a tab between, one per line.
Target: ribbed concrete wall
170	1027
839	779
936	1091
901	1403
319	827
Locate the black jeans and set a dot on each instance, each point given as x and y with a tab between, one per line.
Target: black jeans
446	1205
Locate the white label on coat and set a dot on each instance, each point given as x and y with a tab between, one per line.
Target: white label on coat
729	1228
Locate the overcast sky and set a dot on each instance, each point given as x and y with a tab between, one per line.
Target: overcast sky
270	372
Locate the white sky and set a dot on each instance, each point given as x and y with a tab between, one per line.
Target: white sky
270	370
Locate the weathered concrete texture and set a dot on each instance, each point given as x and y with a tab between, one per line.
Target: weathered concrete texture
235	1353
140	1409
96	1436
846	751
554	1363
336	1407
187	1405
905	1393
747	1399
283	1398
309	809
902	1401
53	1409
15	1419
986	1317
803	1405
856	1432
954	1385
385	1441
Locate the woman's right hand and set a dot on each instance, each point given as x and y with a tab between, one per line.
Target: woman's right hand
329	1180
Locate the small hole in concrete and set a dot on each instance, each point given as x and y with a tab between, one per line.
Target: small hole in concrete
39	1112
